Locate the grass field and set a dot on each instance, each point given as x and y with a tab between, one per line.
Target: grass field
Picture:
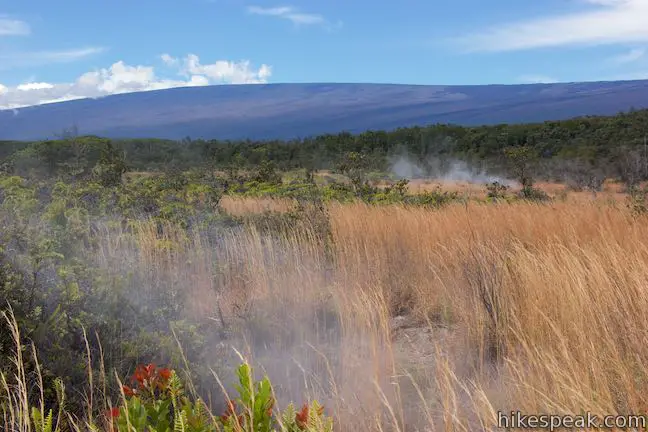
417	319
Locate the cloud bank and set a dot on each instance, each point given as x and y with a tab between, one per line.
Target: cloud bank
124	78
601	22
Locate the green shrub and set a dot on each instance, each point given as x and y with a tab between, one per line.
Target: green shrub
434	199
638	200
496	190
157	402
532	194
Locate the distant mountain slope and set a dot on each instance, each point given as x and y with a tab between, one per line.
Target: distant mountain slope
282	111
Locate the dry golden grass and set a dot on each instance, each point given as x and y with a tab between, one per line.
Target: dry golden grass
239	206
610	191
538	308
565	284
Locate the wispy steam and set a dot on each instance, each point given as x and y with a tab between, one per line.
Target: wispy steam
441	169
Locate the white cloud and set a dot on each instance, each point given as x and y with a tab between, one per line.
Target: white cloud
224	71
13	27
289	13
34	86
605	2
168	60
70	55
15	59
631	56
275	11
536	79
123	78
265	72
11	60
602	22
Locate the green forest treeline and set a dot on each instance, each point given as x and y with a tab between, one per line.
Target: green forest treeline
608	144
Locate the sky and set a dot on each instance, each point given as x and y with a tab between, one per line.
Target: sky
54	51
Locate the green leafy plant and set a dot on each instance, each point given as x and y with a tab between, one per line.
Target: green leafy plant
256	413
257	402
155	402
111	166
42	423
520	160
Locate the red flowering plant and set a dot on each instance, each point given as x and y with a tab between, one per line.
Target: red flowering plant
310	418
147	401
149	382
154	402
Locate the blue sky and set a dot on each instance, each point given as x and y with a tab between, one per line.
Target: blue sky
63	50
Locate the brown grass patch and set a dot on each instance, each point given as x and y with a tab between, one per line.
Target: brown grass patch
538	308
529	307
239	206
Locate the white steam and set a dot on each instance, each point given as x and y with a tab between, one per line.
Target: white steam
445	170
405	169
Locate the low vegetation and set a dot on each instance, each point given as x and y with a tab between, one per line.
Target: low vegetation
582	151
374	301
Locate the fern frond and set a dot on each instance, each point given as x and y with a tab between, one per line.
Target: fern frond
180	422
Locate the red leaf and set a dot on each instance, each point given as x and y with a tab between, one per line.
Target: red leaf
165	373
302	417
